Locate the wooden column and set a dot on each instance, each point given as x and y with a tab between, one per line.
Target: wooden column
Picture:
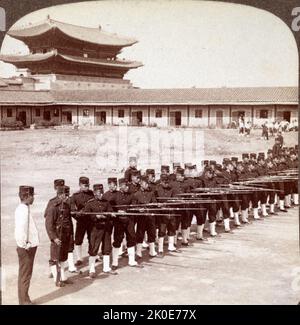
188	115
208	115
148	115
112	115
252	115
94	115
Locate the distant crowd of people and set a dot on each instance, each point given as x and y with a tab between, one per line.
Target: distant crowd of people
269	128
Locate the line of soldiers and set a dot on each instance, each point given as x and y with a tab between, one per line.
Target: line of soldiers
106	220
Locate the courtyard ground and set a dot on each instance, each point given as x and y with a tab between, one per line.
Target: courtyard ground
259	263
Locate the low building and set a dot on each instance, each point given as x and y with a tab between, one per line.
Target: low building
73	75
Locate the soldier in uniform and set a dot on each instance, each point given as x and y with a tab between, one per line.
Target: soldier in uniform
150	173
132	168
223	178
242	175
101	230
167	223
59	228
172	177
180	186
72	268
123	225
134	185
209	181
145	223
165	170
78	201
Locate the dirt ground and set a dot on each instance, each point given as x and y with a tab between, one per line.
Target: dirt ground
259	263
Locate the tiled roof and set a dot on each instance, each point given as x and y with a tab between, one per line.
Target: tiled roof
85	34
182	96
204	96
23	60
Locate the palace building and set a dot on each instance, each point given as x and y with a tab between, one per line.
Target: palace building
72	74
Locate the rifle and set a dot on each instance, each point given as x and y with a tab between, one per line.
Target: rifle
165	209
58	266
124	214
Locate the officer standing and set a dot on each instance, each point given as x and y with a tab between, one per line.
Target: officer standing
27	239
59	229
132	168
78	201
101	230
72	268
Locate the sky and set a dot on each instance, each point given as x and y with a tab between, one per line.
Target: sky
185	44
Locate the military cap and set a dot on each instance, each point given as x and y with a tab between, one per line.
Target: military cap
261	154
218	167
188	165
270	151
25	189
227	162
253	155
122	181
132	159
98	187
245	155
165	167
164	178
212	162
112	180
59	182
180	171
144	179
205	162
136	173
150	172
84	180
175	165
234	159
63	189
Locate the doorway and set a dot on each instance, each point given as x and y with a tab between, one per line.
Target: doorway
287	116
47	115
219	117
137	118
22	116
101	118
175	118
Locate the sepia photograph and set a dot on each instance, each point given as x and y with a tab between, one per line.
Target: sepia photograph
149	155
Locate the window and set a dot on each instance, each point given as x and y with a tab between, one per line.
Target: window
198	113
56	112
121	113
37	112
263	113
158	113
86	113
9	112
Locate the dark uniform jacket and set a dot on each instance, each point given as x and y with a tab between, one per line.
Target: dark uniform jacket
181	187
96	205
161	191
133	188
78	201
143	197
58	220
110	196
128	173
276	150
